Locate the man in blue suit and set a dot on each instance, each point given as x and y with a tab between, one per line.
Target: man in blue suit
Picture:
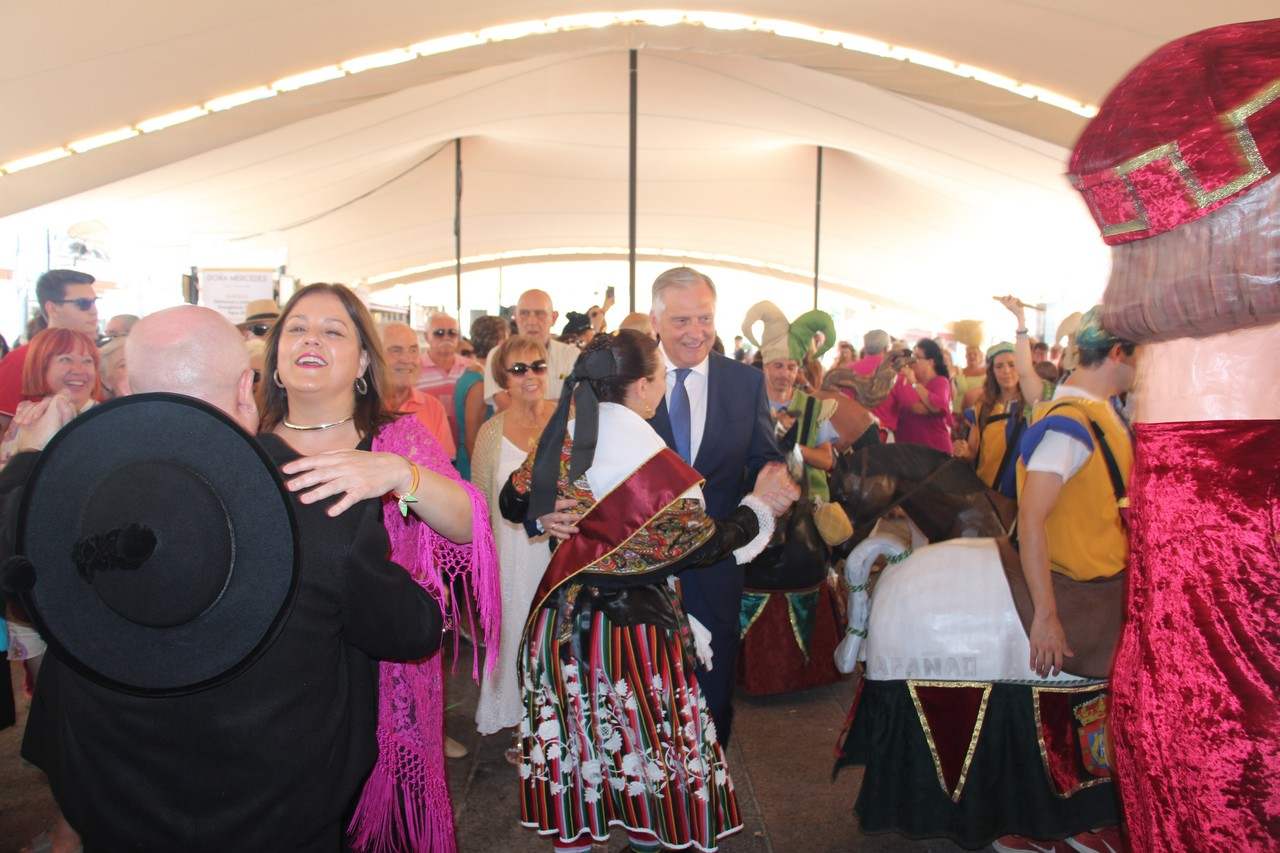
716	417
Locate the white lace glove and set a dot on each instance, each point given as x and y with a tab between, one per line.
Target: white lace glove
701	642
764	516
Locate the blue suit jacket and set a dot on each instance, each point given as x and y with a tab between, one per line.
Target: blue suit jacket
738	438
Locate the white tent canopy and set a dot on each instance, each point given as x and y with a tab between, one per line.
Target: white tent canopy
936	187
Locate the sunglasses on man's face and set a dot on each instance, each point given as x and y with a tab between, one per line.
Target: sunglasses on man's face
84	303
539	367
445	333
260	330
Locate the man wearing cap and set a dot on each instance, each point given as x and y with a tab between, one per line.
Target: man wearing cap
260	316
1179	171
788	605
875	348
235	708
67	301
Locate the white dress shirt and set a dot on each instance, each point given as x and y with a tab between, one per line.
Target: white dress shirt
696	386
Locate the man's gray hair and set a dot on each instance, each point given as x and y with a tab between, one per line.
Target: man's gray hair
875	341
678	277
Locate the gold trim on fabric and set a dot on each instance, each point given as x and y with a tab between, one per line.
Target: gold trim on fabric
795	629
768	596
1044	752
973	739
711	529
1237	120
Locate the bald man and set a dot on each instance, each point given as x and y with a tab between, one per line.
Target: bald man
404	365
535	317
272	759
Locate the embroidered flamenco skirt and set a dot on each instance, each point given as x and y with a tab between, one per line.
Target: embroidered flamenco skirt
972	761
789	639
1197	672
615	732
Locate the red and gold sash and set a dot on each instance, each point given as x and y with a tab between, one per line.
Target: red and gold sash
617	517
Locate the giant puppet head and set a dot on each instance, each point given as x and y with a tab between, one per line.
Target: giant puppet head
1177	170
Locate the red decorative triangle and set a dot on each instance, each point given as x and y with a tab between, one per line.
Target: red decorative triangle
951	715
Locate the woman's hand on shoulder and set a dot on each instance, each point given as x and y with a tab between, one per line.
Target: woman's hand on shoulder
355	474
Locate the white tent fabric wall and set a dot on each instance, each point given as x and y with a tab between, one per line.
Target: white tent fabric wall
923	207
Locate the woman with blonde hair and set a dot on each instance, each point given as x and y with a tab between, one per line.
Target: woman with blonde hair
504	442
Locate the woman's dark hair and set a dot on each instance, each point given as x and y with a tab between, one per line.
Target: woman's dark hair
370	411
635	356
1092	356
486	333
933	352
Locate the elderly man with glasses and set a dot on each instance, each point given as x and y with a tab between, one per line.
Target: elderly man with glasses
67	301
441	364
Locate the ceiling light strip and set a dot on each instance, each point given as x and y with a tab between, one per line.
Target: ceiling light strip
723	21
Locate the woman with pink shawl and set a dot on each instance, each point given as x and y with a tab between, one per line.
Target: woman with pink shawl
323	394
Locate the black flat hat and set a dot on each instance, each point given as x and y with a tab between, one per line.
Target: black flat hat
162	545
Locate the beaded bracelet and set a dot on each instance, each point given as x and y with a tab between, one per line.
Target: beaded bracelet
409	497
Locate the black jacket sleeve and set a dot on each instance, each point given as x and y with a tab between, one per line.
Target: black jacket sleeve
514	507
387	615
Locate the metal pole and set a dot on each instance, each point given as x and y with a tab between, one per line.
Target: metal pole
817	228
457	224
631	184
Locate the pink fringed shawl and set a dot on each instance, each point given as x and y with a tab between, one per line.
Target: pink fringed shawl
405	803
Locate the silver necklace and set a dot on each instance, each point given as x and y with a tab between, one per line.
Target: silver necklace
303	428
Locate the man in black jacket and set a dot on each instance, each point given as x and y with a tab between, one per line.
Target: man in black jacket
273	758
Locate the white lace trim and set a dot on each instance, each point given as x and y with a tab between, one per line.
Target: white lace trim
764	515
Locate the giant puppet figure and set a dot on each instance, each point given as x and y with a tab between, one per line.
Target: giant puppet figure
1178	169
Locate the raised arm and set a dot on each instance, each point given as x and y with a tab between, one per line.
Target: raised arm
1030	383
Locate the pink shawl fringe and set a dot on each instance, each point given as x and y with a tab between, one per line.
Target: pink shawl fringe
405	803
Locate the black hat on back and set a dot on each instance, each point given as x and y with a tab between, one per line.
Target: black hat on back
161	546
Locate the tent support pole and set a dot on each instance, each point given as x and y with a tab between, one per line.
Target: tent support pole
631	188
457	225
817	228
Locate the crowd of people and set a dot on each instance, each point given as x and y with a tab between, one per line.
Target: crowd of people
352	412
1078	573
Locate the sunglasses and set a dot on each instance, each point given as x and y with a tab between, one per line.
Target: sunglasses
84	303
103	340
260	330
445	333
539	367
467	353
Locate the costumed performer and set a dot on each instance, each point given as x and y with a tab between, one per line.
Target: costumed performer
977	653
615	729
1178	169
791	614
323	394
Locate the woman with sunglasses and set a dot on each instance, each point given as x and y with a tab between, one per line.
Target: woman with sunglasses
504	442
324	395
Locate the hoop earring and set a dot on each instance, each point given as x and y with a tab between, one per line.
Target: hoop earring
275	377
362	386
